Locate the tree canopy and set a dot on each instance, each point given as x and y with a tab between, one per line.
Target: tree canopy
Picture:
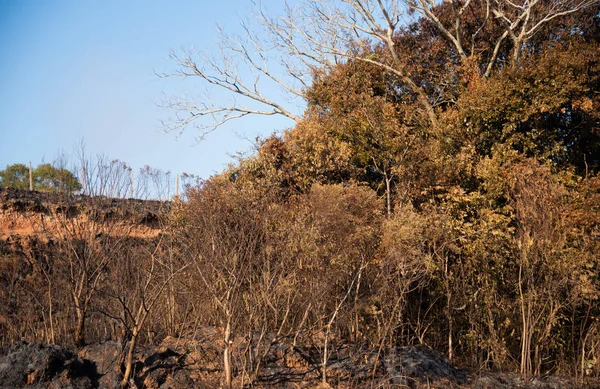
15	176
45	177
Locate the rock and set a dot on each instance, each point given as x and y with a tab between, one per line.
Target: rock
180	380
515	381
490	382
411	365
45	366
195	362
105	356
157	366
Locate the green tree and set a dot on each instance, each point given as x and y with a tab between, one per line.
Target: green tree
15	176
45	178
50	178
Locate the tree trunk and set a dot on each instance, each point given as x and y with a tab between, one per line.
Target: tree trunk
388	194
129	360
450	325
80	330
50	314
325	357
227	354
449	310
526	329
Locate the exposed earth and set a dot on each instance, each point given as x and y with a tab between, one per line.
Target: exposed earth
24	213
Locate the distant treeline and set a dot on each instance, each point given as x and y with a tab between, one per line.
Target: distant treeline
44	177
97	176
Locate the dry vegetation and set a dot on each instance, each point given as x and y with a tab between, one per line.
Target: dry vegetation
442	189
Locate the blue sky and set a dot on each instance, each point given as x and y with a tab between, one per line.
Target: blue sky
85	69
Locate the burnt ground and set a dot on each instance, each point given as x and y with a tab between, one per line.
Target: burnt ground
22	211
195	363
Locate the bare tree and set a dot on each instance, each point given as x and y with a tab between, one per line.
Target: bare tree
520	21
543	270
312	36
89	232
138	301
329	325
246	86
289	51
223	235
